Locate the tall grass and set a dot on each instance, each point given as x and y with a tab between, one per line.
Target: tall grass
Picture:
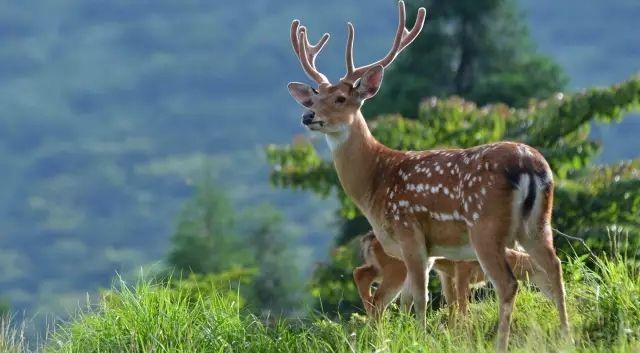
12	338
603	300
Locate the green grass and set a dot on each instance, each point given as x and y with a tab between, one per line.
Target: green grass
604	304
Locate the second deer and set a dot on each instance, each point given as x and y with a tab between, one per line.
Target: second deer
456	277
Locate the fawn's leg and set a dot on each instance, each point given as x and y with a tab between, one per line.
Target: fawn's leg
463	272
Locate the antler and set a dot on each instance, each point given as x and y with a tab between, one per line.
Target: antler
306	52
403	38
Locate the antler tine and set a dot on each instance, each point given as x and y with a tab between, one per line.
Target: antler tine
402	38
349	51
307	52
294	37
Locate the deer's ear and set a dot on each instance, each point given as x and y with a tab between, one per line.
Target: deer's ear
302	93
370	82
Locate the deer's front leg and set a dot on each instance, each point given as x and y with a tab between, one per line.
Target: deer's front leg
416	259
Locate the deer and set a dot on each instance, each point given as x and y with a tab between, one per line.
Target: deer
417	201
456	278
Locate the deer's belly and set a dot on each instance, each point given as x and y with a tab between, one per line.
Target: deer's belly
455	253
390	246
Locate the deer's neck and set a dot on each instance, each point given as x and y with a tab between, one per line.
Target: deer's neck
355	153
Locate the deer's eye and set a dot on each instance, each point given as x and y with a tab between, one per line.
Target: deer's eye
340	100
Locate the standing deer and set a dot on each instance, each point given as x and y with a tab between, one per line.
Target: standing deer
416	201
456	277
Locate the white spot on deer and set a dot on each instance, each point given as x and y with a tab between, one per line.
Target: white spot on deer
420	187
446	217
448	164
486	165
403	203
446	191
391	195
483	190
476	216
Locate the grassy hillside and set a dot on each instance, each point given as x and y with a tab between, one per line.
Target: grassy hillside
109	108
603	297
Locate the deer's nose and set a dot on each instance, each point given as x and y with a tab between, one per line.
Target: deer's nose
307	118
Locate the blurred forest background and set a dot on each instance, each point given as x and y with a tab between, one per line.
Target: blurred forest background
132	135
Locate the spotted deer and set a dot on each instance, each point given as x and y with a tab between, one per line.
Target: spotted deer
456	277
417	202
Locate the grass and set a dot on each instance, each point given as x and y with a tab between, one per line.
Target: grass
603	299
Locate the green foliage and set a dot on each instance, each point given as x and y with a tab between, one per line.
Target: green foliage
276	288
227	283
479	50
602	303
332	286
251	249
204	241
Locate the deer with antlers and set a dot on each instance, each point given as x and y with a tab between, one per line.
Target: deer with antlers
418	201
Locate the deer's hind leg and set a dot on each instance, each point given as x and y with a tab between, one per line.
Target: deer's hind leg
540	248
536	237
488	240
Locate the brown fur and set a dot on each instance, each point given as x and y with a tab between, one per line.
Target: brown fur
457	277
481	199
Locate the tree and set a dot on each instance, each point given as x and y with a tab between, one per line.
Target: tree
205	239
255	254
478	50
276	286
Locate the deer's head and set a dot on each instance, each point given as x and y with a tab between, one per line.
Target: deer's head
332	107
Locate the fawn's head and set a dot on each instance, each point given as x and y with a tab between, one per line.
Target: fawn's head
332	107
